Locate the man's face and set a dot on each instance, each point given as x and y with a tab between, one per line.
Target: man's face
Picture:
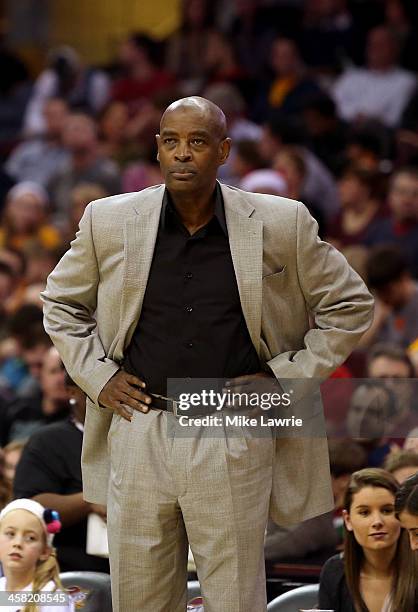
393	294
79	133
190	150
53	377
381	51
403	197
34	359
368	412
55	114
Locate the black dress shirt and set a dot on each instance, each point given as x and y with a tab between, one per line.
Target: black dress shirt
191	324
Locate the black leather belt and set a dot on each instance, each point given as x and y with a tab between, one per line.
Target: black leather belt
169	404
165	403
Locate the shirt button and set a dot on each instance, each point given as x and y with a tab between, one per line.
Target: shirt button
189	308
189	275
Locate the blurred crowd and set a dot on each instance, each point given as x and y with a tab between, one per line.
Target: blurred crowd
321	98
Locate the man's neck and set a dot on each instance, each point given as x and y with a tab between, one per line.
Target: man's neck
194	210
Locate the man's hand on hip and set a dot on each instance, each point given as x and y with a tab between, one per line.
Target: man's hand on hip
124	393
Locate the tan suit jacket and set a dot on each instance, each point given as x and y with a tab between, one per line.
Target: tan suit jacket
93	301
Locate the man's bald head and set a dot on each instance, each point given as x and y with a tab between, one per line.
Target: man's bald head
212	116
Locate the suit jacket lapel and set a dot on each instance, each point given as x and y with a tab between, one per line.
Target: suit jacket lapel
246	244
140	234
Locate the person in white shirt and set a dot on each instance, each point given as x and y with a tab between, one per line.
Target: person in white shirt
382	89
28	559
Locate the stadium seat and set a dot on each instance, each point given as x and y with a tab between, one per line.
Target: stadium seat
302	597
89	590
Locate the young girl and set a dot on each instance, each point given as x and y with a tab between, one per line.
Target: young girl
374	574
28	559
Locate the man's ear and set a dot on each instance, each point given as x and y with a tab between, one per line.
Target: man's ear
158	139
347	521
225	148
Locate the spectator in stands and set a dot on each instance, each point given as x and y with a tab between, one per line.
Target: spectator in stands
328	37
25	415
290	163
15	91
15	259
246	159
50	473
186	47
402	465
27	555
220	65
322	533
361	207
367	146
21	324
252	32
396	308
142	78
115	142
85	89
371	410
400	20
5	487
319	184
25	219
392	364
32	346
39	158
264	181
40	263
12	453
143	173
401	228
240	128
230	100
406	507
81	195
371	575
290	84
85	165
327	133
385	87
7	285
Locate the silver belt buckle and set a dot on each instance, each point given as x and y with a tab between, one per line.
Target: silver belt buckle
175	408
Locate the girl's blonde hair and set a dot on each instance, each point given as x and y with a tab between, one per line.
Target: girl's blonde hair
45	571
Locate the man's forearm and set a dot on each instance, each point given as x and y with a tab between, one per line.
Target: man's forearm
72	508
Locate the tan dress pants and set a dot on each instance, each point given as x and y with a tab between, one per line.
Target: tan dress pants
171	486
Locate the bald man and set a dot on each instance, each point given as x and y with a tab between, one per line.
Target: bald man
196	280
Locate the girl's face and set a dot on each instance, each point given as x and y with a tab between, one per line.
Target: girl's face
371	518
22	542
410	523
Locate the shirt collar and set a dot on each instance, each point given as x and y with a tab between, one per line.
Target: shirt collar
219	211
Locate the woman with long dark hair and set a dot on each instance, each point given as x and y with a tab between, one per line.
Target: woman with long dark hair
406	509
375	572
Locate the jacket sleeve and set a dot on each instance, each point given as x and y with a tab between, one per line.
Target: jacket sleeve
338	299
69	307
